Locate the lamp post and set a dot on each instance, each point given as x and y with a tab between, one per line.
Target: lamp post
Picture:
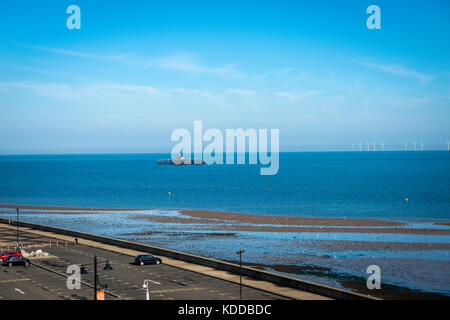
240	252
95	277
102	286
147	288
17	233
106	267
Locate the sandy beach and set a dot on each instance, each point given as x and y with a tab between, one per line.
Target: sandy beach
286	220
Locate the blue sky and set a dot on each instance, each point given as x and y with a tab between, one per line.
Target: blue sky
137	70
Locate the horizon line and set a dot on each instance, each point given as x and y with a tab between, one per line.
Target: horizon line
286	151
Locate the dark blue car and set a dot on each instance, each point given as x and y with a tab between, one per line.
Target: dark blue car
146	259
16	260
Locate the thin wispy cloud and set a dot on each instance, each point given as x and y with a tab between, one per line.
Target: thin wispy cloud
396	69
285	70
134	88
75	53
186	62
294	96
241	92
109	89
45	72
183	62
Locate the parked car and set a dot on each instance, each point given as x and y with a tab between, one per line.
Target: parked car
16	260
146	259
7	254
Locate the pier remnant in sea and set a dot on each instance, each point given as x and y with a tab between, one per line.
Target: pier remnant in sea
180	160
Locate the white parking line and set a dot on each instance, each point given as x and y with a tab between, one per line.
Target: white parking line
18	290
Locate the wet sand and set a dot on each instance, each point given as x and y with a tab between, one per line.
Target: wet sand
285	220
345	245
33	207
231	221
231	225
231	216
443	223
358	284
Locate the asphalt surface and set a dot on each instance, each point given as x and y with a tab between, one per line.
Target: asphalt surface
46	278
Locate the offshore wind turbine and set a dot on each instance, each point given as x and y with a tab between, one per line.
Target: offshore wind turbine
421	145
406	146
415	146
382	145
353	146
368	146
373	144
360	146
448	145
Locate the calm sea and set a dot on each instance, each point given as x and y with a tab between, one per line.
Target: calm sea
327	184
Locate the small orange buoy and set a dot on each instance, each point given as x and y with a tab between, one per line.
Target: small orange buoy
169	193
406	199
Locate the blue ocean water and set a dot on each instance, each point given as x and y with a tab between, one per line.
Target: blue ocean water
321	184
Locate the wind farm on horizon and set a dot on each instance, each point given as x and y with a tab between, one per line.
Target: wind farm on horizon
413	146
